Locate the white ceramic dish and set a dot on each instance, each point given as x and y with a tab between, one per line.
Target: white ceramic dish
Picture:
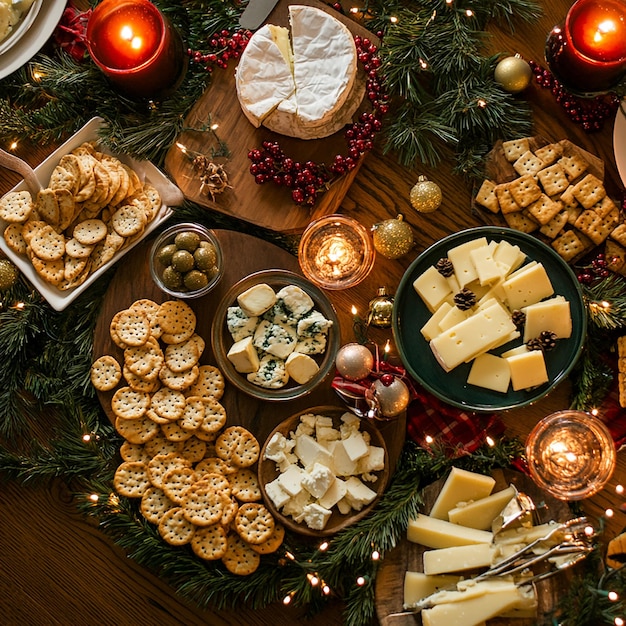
619	141
21	28
31	41
170	194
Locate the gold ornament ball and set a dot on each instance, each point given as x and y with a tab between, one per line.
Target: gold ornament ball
8	274
392	238
381	310
426	195
513	74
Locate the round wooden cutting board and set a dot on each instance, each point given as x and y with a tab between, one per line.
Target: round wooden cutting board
408	556
243	255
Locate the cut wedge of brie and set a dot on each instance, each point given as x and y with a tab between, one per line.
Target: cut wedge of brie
301	83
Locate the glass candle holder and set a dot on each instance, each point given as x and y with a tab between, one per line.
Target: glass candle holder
587	54
336	252
570	454
136	47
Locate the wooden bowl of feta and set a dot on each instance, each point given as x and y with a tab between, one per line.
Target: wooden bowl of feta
322	470
275	335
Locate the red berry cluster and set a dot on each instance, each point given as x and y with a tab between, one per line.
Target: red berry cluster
590	113
308	180
598	268
224	46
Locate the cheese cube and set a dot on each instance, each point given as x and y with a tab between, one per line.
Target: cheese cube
296	300
473	336
239	324
458	558
276	339
316	516
310	451
460	486
432	287
528	369
438	533
257	299
373	461
301	367
459	256
355	446
342	463
490	372
358	494
431	328
291	480
335	492
529	286
549	315
276	493
480	513
418	585
243	356
317	480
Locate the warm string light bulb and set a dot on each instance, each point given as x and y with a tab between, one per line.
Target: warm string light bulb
490	441
94	497
619	489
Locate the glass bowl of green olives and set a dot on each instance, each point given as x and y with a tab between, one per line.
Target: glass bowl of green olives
186	260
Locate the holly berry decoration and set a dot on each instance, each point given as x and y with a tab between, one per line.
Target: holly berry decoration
425	195
8	274
392	238
513	74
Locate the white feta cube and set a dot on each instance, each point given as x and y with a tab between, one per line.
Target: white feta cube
335	492
316	516
317	480
291	480
358	494
277	494
355	446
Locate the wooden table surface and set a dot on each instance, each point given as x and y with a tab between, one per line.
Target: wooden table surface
56	567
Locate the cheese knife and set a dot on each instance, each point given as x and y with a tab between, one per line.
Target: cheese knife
255	13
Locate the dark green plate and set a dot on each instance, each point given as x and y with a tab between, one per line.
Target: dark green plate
410	314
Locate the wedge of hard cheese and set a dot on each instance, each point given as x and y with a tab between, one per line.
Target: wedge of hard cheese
437	533
461	486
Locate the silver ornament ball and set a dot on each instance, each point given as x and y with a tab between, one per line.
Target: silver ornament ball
354	361
392	399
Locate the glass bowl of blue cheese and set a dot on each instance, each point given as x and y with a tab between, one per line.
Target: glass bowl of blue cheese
275	335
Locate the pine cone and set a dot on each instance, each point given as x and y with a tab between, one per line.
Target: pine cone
465	299
444	267
519	319
548	340
534	344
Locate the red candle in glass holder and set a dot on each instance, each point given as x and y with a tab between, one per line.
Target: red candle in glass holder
136	47
588	53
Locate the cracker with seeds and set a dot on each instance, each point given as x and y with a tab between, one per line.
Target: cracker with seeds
238	445
174	528
271	544
160	464
47	244
130	404
155	504
169	403
16	206
202	504
240	558
210	542
132	327
177	480
15	240
245	485
52	272
131	479
254	522
105	373
209	384
178	380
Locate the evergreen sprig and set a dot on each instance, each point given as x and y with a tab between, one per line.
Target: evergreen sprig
605	301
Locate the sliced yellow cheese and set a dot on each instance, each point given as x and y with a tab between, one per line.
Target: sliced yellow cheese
528	369
523	535
459	558
531	285
459	256
474	610
490	372
487	269
549	315
418	585
452	317
437	533
461	486
431	328
508	256
480	514
473	336
432	287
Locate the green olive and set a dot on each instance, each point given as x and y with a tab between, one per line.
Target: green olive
182	261
195	280
164	254
212	272
187	240
205	258
172	279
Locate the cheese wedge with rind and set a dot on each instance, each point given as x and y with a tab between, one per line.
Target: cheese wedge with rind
436	533
460	486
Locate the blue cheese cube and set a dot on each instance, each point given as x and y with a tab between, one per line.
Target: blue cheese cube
275	339
239	324
311	345
296	300
279	313
271	373
313	324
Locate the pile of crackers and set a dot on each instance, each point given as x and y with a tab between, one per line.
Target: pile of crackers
553	192
195	477
93	206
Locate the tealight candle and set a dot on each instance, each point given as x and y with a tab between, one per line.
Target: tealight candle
570	454
336	252
136	47
588	53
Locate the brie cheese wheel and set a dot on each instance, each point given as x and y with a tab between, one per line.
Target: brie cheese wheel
305	85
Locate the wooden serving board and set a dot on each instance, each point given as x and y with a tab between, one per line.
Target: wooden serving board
267	205
407	556
243	254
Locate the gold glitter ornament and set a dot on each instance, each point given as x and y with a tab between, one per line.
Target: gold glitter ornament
392	238
8	274
426	195
380	309
513	74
